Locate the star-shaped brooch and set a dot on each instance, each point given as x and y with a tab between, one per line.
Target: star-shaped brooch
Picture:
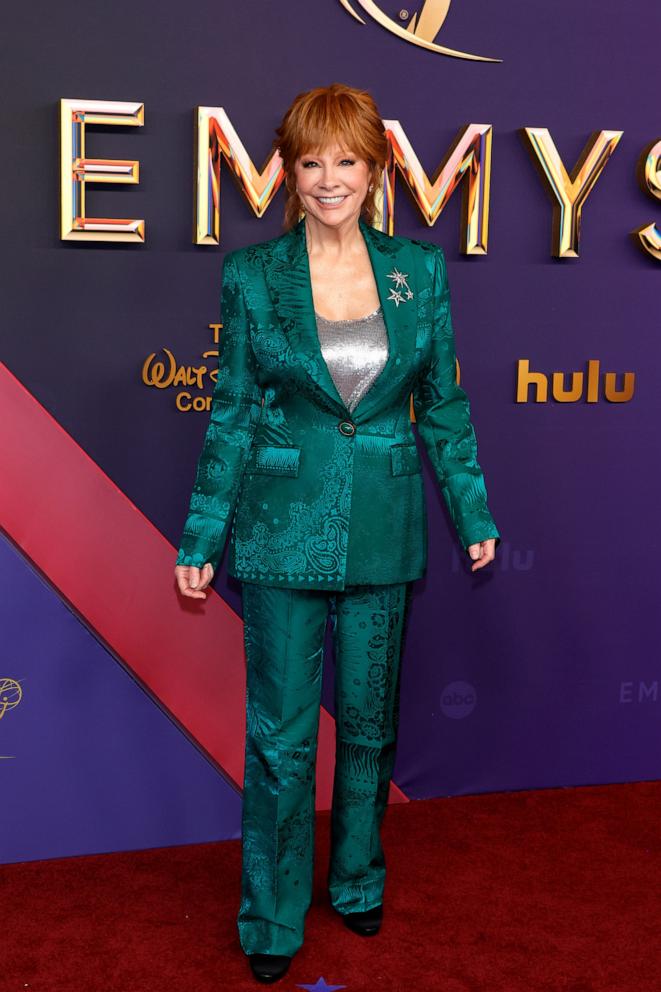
401	291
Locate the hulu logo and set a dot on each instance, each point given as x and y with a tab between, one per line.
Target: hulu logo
590	386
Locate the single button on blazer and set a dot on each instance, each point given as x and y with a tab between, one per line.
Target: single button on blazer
310	494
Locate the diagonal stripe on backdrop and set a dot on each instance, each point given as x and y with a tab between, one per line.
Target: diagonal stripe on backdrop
188	655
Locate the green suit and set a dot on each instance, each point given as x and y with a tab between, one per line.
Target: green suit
311	495
325	511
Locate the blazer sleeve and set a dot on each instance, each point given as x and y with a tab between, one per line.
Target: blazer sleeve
236	408
442	413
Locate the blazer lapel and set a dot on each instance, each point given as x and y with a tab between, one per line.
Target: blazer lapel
287	274
390	261
288	279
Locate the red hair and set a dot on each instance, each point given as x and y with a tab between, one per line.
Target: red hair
322	116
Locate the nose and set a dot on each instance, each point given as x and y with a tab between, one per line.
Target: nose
328	181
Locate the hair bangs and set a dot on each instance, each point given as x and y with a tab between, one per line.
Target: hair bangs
326	116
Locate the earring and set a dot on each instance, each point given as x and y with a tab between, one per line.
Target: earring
371	187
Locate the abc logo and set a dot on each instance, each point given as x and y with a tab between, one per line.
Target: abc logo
458	700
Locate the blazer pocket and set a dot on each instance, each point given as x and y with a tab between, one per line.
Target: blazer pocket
405	459
274	459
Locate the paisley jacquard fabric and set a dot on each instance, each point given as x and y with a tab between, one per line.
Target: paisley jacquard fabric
355	352
284	637
309	493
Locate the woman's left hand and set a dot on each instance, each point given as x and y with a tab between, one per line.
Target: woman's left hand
482	553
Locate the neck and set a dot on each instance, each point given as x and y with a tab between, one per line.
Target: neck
343	239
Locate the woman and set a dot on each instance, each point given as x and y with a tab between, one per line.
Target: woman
310	466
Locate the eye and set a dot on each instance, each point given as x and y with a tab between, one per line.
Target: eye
351	161
305	164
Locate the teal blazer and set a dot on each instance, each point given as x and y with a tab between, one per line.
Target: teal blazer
311	495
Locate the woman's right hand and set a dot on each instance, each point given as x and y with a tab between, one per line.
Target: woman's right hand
192	580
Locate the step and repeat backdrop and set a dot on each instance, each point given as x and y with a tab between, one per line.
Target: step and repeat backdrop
137	149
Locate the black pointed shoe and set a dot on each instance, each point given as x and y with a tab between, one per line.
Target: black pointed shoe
269	967
366	923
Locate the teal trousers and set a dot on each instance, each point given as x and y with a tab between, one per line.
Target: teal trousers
284	638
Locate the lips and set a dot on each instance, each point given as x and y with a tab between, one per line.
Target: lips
331	201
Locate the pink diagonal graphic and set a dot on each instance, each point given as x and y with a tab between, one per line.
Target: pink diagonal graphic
117	572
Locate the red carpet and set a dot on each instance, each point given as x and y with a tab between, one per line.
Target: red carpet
553	890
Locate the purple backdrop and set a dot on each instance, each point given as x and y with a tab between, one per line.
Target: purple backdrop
542	670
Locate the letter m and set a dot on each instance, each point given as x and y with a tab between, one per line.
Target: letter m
215	140
646	692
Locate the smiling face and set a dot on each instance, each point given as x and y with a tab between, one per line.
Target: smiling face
332	184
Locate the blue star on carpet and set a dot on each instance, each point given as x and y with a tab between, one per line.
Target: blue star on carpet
321	986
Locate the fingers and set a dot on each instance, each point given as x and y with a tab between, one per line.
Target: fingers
193	581
204	577
482	553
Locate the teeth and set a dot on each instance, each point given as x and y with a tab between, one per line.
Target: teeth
330	199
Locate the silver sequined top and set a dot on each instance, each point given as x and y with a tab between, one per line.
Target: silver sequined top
355	352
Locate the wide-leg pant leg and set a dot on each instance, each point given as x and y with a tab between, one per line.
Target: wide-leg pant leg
369	624
283	635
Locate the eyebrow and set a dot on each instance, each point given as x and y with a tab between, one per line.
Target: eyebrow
339	155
